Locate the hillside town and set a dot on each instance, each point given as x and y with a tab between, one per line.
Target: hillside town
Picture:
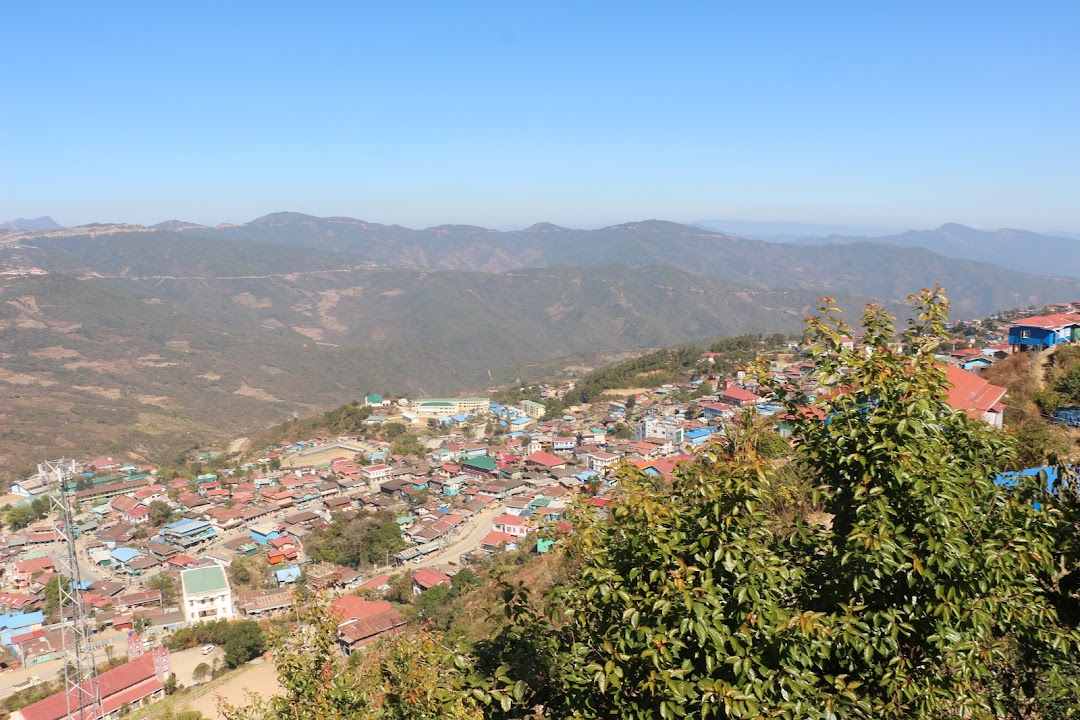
159	552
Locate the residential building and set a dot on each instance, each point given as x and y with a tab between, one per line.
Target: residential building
131	686
207	595
1043	331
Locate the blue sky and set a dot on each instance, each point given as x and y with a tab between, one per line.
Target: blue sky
897	114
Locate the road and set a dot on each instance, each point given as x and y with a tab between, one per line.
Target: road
480	525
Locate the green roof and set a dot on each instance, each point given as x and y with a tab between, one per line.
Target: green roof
438	403
204	579
373	398
481	463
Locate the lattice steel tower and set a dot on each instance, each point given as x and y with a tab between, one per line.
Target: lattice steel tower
81	688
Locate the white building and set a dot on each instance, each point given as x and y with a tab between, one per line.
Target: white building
207	595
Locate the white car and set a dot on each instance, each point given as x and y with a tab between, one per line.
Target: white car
207	649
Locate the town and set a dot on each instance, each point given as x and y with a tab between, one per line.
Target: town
431	487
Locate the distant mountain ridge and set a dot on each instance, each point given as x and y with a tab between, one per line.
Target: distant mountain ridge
1016	249
31	224
867	267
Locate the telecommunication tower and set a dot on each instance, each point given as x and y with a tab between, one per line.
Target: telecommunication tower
81	688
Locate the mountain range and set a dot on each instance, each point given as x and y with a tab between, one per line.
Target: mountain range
1016	249
116	337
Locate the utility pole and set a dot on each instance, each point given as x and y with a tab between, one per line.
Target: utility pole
82	693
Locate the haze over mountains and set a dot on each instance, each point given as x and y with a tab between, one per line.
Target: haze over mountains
150	337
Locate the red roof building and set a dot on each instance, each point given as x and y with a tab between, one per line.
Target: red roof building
975	396
427	578
135	684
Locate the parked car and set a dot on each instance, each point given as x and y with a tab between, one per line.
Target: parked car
207	649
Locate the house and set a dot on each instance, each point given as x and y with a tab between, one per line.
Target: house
206	594
13	624
480	467
1043	331
26	569
511	525
600	461
368	622
262	533
975	396
563	444
133	685
495	540
739	397
545	460
533	409
187	533
375	475
426	578
375	400
258	603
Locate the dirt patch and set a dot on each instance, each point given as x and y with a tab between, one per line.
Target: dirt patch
161	401
310	332
271	370
23	379
254	392
180	345
272	324
56	352
625	392
212	377
260	679
246	299
393	292
109	393
238	445
119	366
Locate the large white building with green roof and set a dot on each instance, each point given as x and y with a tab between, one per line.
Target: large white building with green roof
444	407
207	595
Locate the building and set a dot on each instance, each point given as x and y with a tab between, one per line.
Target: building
533	409
975	396
207	595
445	407
188	533
1043	331
361	621
133	685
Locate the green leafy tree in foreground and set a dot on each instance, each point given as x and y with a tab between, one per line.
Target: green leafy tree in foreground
930	592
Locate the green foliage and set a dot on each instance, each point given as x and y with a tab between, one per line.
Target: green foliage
925	594
21	515
364	540
169	587
312	674
160	513
201	672
401	678
52	594
407	445
244	641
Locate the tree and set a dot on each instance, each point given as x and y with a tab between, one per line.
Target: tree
160	513
170	684
200	673
19	516
167	585
52	593
914	600
244	640
622	431
402	678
